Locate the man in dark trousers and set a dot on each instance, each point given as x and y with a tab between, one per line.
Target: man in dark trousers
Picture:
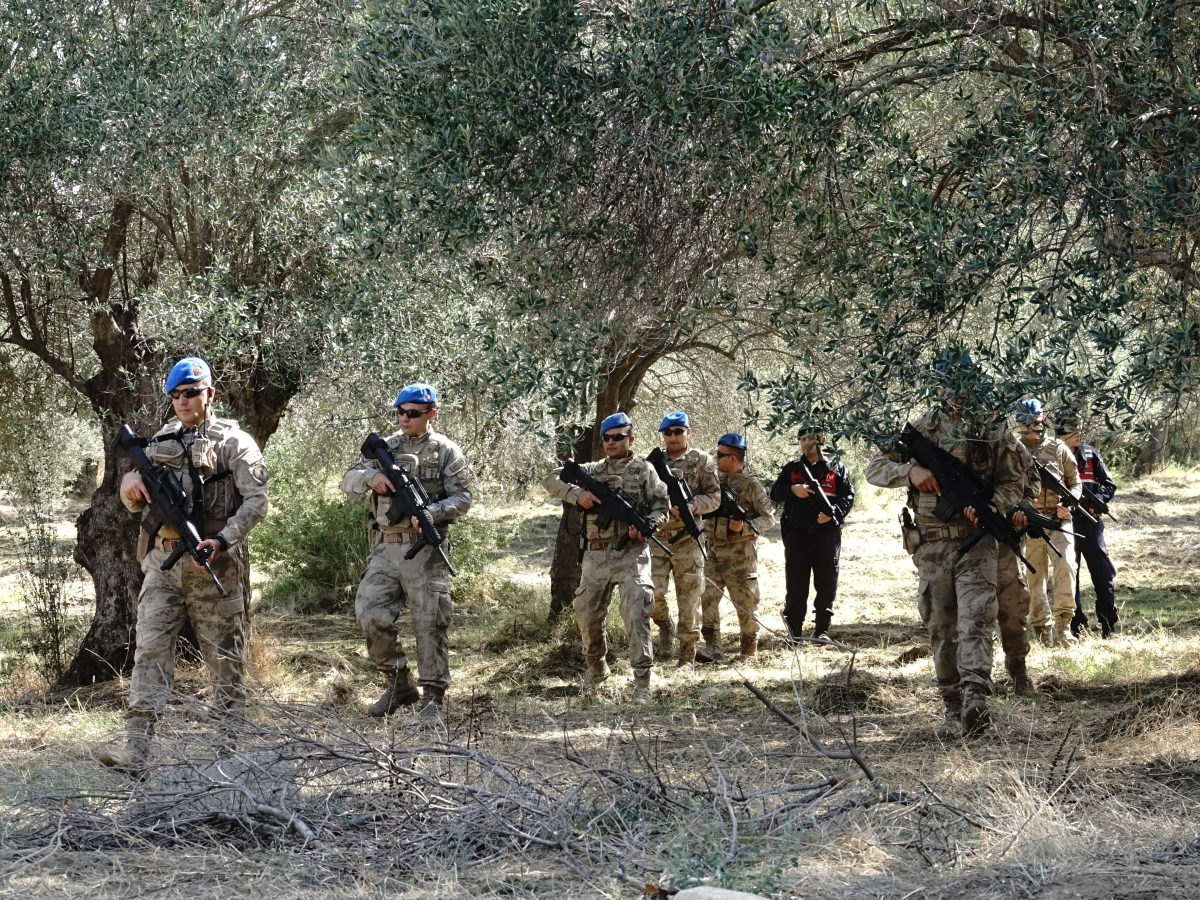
1089	538
812	539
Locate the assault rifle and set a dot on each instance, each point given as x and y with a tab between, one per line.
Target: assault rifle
408	497
680	494
168	505
1039	525
1051	482
1091	501
612	504
813	485
731	509
961	487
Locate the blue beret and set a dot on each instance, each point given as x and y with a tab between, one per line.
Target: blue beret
616	420
420	392
1030	410
674	420
952	362
188	370
736	441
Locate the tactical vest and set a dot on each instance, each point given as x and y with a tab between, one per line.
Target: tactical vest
195	458
429	473
687	468
629	481
979	452
719	530
1087	467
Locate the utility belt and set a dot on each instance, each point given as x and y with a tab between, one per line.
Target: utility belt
403	537
956	531
213	527
603	545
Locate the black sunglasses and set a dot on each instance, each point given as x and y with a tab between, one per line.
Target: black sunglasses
674	432
190	393
613	438
412	413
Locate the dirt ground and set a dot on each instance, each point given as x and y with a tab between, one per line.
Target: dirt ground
1089	790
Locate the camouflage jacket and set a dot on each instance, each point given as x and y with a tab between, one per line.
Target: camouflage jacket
232	471
752	497
990	451
699	472
633	476
441	467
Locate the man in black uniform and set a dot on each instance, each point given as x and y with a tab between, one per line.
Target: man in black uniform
1089	538
812	539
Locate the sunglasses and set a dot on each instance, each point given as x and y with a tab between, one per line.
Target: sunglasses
412	413
674	432
721	455
190	393
613	438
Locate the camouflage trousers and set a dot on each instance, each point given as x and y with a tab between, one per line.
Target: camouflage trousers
1012	598
732	567
687	566
629	570
392	582
167	600
1058	571
957	602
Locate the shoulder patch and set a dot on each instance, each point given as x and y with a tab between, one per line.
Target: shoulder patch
457	465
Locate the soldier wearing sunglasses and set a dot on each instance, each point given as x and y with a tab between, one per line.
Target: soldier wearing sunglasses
423	582
734	562
698	471
224	475
615	554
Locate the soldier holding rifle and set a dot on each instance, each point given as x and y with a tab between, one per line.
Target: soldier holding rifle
623	502
733	530
397	576
698	493
817	495
1059	476
956	557
217	473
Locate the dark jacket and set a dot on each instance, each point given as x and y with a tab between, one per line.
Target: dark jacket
834	481
1093	473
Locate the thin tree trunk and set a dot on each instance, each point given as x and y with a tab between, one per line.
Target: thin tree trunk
1153	455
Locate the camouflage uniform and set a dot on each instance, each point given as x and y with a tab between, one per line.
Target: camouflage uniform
422	583
1012	593
605	565
734	562
957	594
235	500
1059	570
698	471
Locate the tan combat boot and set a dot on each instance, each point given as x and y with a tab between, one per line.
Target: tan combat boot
951	728
1045	634
749	645
641	689
433	701
400	691
1062	632
597	673
975	715
1022	686
687	657
132	759
711	652
666	638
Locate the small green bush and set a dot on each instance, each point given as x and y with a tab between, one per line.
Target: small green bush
317	550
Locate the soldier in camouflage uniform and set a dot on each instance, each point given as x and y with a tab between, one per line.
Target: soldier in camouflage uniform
698	471
1012	591
734	562
615	553
957	592
423	582
220	464
1058	570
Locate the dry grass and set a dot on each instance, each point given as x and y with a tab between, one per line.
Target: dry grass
1090	790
